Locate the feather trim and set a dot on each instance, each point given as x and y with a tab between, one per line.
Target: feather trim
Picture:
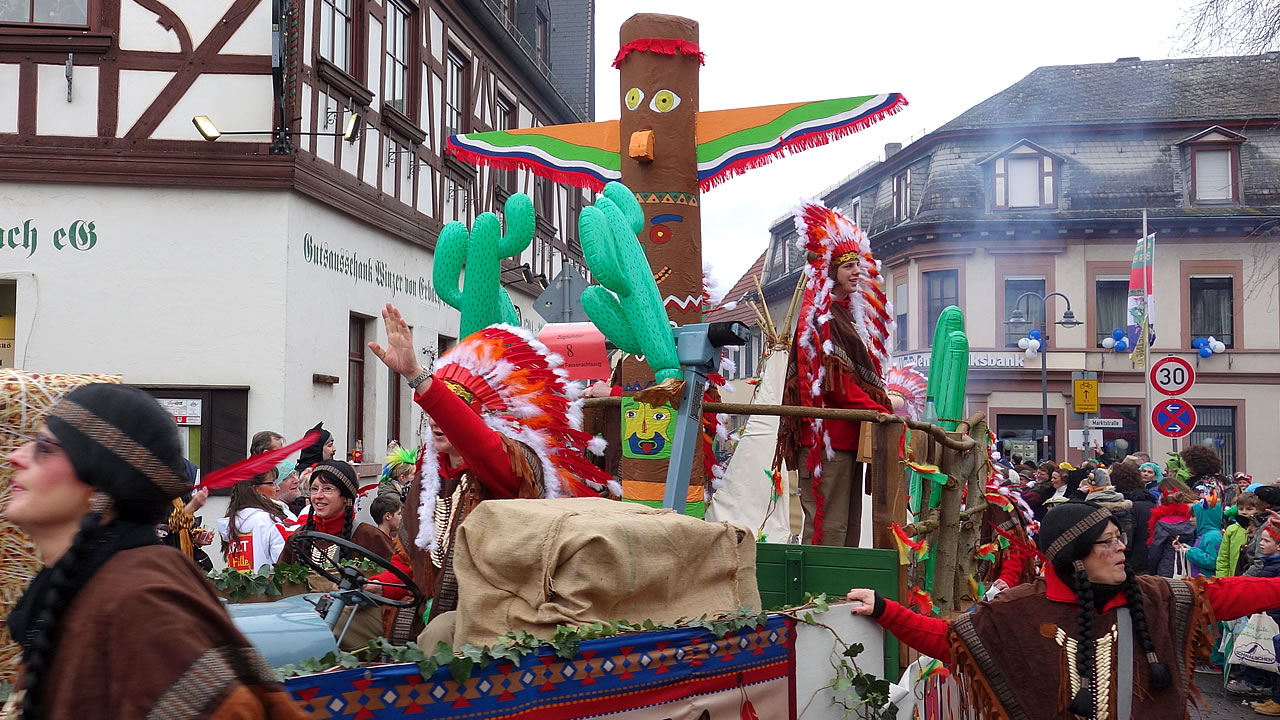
662	46
254	464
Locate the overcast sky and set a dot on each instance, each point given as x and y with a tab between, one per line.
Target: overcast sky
945	57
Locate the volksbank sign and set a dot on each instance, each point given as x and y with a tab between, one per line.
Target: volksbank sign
977	359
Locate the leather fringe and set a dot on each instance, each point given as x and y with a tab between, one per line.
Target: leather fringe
977	694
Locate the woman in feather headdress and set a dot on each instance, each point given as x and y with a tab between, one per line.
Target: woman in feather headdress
837	361
504	424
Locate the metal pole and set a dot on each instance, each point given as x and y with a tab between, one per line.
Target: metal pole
1044	381
1146	334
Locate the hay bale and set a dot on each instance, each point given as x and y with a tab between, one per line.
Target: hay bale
25	398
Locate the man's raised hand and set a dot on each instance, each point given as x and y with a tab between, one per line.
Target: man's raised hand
399	354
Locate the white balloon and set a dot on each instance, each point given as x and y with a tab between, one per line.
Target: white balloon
1031	354
1033	344
1219	347
1122	444
1022	343
1108	342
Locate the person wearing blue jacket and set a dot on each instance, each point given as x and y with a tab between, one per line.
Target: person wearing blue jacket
1203	555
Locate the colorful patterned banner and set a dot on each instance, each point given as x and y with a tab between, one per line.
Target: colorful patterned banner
671	673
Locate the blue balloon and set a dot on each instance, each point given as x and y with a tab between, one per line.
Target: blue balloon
1117	333
1034	334
1122	344
1206	352
1199	343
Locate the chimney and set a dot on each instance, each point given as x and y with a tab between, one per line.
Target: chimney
890	149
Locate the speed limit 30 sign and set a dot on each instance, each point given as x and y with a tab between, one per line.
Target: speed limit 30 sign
1172	376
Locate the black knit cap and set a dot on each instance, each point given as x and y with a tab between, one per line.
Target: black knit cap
314	453
120	441
1069	530
339	473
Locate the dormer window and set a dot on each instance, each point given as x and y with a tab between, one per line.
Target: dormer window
1213	161
1024	175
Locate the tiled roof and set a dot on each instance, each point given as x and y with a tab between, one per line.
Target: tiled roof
1209	89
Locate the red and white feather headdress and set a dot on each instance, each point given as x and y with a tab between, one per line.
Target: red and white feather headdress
517	385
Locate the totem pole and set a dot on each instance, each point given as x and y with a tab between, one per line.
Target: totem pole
666	151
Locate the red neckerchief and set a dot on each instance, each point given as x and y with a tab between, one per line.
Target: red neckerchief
1057	591
330	526
448	471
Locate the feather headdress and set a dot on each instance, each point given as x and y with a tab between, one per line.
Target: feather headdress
517	384
909	384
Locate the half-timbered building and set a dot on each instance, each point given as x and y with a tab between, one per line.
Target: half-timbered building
241	260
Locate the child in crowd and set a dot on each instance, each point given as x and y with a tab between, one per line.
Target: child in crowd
1237	534
1269	558
387	512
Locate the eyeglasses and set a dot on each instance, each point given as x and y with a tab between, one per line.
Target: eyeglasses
1115	542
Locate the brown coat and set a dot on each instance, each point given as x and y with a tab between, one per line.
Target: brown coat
148	638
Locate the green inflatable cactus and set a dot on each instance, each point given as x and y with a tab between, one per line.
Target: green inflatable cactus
483	301
632	315
949	367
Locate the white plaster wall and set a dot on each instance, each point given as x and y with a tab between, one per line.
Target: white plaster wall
192	293
978	300
138	89
8	98
200	16
140	31
56	116
320	304
232	102
254	36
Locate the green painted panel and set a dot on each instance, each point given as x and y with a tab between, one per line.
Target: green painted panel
786	572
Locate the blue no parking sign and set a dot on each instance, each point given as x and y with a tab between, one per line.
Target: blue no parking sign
1173	418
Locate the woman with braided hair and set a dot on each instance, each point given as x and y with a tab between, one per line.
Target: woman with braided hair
117	625
1124	646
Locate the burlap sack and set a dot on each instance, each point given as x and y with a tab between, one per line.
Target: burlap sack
534	564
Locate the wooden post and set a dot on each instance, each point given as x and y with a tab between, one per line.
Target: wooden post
975	469
887	478
948	537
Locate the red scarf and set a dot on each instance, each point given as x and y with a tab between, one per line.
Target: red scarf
330	526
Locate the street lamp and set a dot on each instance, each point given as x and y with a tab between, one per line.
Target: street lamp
1068	321
280	144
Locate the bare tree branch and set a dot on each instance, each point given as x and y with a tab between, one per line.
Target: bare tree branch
1231	27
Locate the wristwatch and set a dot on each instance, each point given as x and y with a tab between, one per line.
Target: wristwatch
421	378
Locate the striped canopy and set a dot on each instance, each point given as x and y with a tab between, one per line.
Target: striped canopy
730	142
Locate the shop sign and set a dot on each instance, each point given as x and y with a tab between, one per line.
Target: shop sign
368	270
977	359
6	352
25	236
185	411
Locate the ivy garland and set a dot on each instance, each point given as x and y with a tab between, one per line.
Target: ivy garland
857	693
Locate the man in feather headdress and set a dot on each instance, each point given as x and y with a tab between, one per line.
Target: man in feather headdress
504	424
836	361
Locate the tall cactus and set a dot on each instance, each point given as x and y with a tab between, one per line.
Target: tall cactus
949	366
482	301
632	315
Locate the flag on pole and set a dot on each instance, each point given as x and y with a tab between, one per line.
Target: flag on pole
1141	326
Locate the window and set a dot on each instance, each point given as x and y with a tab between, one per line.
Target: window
1031	308
1111	300
8	323
543	39
400	41
336	33
394	407
1214	175
1211	307
900	334
508	10
1125	440
1216	428
457	199
902	196
504	118
1025	179
355	382
455	94
1020	435
853	210
45	12
942	288
784	257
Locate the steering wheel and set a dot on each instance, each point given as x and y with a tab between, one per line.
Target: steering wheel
349	577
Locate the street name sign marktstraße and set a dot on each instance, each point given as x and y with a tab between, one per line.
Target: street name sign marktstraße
1173	418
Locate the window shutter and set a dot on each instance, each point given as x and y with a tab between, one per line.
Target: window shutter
1002	178
1213	175
1047	197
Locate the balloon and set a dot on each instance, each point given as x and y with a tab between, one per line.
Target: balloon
1122	444
1022	343
1031	354
1121	345
1034	334
1033	344
1219	347
1205	352
1117	334
1198	343
1108	343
